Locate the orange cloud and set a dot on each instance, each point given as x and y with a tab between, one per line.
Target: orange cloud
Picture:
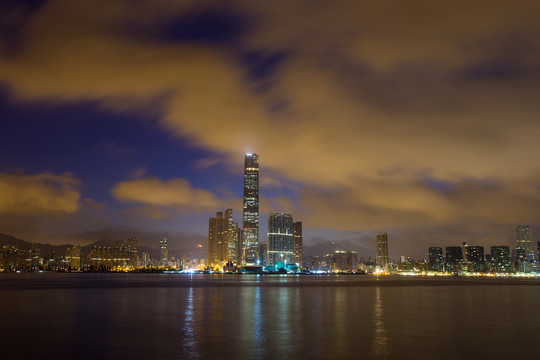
38	194
172	193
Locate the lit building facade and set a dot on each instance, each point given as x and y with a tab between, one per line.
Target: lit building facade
223	239
280	239
525	251
132	248
163	251
342	260
475	258
436	259
232	238
298	242
382	259
501	259
250	217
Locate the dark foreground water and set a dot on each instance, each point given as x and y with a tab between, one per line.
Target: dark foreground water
159	316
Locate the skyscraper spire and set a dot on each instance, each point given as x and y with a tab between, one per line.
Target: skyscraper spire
250	219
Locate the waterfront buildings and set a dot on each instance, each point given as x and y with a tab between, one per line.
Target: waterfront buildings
454	258
280	239
250	216
501	260
132	250
342	260
436	259
382	259
223	239
475	258
525	253
73	257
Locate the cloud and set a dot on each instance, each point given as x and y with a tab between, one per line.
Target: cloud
94	205
379	205
39	194
350	105
206	162
176	193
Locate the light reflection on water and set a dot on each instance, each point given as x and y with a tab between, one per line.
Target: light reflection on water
189	343
258	317
379	348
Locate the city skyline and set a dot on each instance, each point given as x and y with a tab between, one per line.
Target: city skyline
125	121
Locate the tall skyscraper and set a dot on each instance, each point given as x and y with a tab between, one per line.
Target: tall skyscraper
525	246
163	252
223	239
298	242
382	259
500	259
250	220
436	258
280	239
212	234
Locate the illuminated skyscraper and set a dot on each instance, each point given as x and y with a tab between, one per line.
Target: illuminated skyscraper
298	242
525	245
163	252
382	259
436	259
250	220
280	239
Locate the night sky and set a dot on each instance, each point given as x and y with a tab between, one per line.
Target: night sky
132	118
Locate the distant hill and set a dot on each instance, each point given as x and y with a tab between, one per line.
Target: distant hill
60	250
12	240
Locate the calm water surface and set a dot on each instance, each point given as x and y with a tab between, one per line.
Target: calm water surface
169	316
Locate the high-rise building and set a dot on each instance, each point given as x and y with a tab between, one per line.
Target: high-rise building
475	257
298	242
232	236
223	239
163	252
73	257
436	258
132	246
382	259
500	259
250	219
454	258
525	245
280	239
525	249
